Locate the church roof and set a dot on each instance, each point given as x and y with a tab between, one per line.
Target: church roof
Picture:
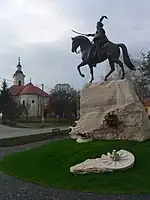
28	89
18	72
16	89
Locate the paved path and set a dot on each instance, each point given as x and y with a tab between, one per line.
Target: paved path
12	188
9	132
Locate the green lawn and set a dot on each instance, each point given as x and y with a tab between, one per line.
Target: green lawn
49	165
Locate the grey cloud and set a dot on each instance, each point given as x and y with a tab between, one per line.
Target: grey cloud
50	63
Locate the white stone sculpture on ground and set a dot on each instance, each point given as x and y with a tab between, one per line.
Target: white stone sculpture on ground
121	160
98	100
83	140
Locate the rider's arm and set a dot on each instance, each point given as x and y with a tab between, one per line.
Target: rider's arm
90	35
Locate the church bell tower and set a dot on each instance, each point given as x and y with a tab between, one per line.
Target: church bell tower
18	76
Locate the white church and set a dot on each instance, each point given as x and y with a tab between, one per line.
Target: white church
30	95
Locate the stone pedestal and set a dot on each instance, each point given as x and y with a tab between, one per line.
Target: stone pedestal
98	100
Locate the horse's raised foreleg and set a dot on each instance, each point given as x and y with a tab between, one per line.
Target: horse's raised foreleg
81	65
112	66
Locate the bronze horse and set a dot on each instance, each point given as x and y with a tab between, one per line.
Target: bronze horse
111	51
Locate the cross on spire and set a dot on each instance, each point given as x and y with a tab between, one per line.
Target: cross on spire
18	60
19	65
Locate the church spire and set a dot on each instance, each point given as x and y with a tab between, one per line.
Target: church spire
19	65
19	60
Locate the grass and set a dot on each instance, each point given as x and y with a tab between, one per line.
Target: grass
49	165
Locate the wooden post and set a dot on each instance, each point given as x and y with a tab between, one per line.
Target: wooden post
42	109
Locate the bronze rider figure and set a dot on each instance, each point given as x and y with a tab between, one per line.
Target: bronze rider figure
99	39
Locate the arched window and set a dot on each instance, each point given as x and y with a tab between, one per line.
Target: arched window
19	82
23	102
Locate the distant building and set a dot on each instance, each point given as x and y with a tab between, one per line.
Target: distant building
29	95
147	105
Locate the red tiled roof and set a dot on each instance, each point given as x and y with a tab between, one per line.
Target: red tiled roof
27	89
16	89
42	92
31	89
147	102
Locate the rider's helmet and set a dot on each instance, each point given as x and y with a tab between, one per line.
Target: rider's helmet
99	24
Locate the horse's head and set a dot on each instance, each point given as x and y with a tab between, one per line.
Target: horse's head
75	44
81	41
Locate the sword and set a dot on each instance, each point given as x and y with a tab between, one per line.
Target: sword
79	33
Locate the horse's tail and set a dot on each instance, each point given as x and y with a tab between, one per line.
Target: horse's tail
126	58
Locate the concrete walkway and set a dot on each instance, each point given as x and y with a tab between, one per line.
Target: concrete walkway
10	132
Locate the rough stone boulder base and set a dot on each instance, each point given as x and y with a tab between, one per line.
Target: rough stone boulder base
119	96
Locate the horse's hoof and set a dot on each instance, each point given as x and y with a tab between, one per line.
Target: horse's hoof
82	75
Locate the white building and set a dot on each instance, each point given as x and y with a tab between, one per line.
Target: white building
29	95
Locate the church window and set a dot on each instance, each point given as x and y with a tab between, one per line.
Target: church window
19	83
23	102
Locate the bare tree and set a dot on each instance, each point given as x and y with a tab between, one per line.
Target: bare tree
137	78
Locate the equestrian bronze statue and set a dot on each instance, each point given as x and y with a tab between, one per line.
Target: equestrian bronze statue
99	50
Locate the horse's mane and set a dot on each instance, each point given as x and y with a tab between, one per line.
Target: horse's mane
83	38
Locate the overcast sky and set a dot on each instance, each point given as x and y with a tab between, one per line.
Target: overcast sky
39	31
